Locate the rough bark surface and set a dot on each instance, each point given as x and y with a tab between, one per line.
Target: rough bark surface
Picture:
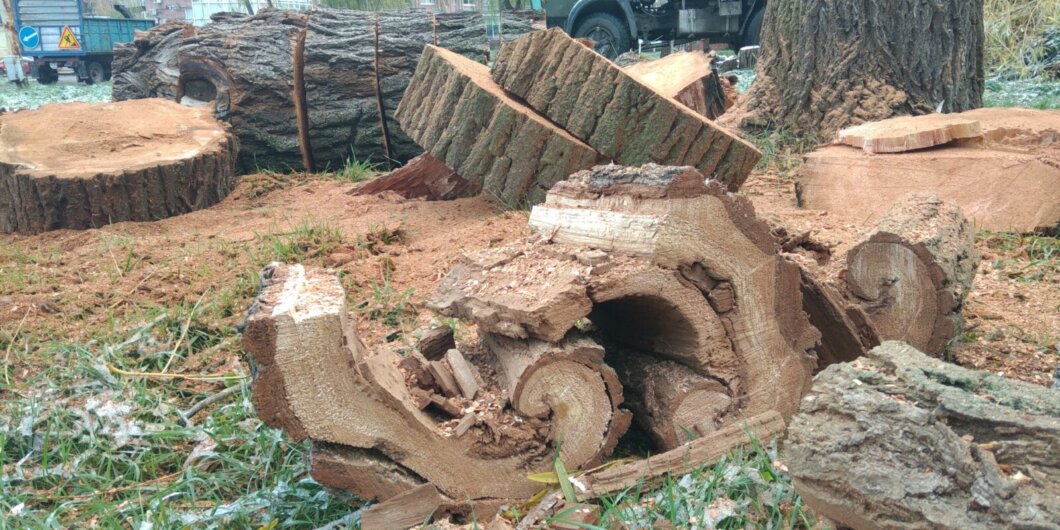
463	118
424	176
829	64
899	440
147	67
85	165
619	116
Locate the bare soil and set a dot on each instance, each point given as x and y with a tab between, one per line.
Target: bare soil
74	286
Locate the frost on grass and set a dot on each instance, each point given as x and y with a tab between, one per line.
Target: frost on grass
35	94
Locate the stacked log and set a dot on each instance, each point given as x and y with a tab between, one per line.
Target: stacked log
85	165
901	440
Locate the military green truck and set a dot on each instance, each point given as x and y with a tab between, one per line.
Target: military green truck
617	26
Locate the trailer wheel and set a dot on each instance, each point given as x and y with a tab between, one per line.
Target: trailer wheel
46	75
96	72
608	32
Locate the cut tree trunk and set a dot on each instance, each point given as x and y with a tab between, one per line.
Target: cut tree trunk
909	133
463	118
688	77
899	440
629	250
85	165
422	177
829	64
619	116
147	67
249	67
1008	181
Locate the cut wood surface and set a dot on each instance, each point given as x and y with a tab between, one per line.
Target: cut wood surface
366	472
464	119
411	508
85	165
622	118
914	270
909	133
688	77
684	459
1008	182
422	177
899	440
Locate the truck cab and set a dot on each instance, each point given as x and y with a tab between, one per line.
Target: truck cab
616	25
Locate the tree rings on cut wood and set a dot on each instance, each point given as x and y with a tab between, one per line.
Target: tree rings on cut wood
909	133
85	165
688	77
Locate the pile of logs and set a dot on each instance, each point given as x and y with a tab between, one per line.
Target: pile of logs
304	91
650	295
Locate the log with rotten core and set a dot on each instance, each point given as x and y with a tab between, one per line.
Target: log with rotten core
647	289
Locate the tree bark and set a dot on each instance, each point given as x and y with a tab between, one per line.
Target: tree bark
829	64
422	177
617	115
899	440
147	67
86	165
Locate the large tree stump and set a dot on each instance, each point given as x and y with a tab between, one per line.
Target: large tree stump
463	118
85	165
899	440
615	113
670	272
147	67
828	64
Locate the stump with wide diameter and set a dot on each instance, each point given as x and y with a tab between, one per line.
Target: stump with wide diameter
85	165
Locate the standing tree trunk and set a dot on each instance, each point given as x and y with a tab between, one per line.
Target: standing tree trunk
828	64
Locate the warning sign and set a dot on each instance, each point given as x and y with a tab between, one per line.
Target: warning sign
67	40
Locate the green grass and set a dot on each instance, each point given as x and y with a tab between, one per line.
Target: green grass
782	150
35	95
1023	257
1035	94
1015	33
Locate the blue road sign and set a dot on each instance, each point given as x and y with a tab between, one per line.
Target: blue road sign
28	37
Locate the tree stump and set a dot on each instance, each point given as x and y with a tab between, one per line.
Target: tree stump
463	118
828	64
899	440
85	165
618	115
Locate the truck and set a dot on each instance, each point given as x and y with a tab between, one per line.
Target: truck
58	33
616	26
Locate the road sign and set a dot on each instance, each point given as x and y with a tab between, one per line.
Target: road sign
28	37
67	40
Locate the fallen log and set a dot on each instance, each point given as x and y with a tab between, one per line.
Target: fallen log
688	77
900	440
616	114
86	165
464	119
1008	181
422	177
147	66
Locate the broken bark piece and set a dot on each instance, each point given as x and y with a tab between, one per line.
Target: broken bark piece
618	115
688	77
900	440
457	113
101	163
444	377
409	509
846	331
569	383
446	405
435	342
316	379
366	472
464	424
422	177
417	374
671	402
463	373
914	270
684	459
909	133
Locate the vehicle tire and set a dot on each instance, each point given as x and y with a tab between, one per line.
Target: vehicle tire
97	73
46	75
752	36
610	34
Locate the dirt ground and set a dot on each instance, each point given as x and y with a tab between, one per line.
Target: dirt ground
77	286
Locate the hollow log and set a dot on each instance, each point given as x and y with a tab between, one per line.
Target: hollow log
823	66
619	116
464	119
147	66
86	165
688	77
899	440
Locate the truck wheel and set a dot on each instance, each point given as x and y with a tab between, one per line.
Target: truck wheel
752	36
96	73
46	75
608	32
